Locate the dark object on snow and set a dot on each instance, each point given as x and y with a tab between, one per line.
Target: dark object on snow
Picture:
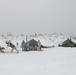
1	49
30	45
49	46
68	43
23	45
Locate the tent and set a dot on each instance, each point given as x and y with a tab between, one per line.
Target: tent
30	45
68	43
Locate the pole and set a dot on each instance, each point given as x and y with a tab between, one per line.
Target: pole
26	42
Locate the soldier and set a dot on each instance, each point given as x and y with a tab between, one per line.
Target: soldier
23	45
9	44
39	45
13	47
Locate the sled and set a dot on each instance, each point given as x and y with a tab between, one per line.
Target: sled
1	49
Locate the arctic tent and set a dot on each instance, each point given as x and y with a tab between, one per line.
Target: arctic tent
68	43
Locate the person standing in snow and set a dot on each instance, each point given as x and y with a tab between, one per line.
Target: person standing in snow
23	45
39	45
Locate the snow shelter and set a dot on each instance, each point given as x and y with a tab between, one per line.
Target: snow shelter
68	43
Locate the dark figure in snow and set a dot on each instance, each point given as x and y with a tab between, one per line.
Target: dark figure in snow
23	45
9	44
17	43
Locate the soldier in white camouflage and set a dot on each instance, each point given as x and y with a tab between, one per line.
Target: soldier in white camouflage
9	44
39	45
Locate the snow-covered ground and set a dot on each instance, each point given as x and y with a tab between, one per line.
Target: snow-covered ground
50	61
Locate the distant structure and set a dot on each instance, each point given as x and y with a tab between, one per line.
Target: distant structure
31	45
68	43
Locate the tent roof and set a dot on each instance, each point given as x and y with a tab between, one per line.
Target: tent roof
68	43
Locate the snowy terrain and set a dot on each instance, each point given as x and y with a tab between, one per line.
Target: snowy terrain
50	61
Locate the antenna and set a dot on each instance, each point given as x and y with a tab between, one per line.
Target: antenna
26	38
26	42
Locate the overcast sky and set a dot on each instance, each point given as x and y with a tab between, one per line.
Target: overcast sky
38	16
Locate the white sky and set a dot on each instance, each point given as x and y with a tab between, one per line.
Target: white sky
38	16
